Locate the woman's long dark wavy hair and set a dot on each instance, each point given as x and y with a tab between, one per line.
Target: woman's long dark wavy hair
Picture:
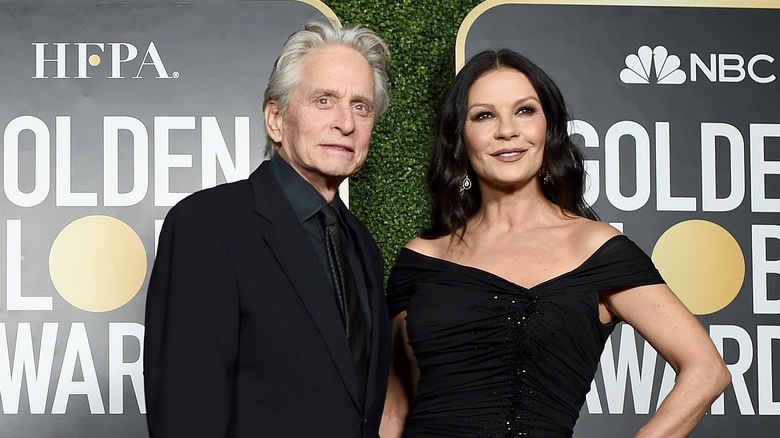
450	211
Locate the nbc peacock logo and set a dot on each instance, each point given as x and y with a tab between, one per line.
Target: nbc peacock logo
656	63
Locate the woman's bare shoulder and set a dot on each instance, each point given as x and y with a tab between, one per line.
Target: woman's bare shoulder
591	235
429	247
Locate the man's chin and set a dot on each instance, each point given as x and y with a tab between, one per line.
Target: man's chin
342	170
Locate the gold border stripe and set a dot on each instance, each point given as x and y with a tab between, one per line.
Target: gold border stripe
460	41
322	7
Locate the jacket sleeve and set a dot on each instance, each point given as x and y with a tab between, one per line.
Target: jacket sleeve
192	322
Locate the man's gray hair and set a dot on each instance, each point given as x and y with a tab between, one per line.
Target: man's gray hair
286	74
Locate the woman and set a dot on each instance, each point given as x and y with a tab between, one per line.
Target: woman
501	308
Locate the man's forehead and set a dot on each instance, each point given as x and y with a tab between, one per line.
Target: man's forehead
336	70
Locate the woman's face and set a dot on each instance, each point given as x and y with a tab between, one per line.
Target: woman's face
505	129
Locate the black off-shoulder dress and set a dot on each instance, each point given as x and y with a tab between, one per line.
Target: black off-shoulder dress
500	360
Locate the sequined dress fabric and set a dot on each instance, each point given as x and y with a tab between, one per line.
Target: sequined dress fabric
500	360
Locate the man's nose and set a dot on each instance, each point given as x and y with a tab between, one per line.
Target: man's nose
344	119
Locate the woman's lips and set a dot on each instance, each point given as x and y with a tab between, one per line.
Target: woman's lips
508	155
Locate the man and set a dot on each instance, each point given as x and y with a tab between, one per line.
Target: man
252	327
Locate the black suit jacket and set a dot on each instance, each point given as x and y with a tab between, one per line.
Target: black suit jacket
243	335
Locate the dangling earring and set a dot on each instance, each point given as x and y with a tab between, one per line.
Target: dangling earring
544	174
465	185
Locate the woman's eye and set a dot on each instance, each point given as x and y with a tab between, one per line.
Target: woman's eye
483	115
526	110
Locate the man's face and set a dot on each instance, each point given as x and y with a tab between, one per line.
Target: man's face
325	131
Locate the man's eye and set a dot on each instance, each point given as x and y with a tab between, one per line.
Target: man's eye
362	109
323	101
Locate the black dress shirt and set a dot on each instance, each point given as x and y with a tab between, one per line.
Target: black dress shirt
306	202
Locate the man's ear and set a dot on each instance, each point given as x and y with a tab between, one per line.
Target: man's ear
273	121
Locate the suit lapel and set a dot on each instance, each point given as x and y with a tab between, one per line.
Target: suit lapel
379	334
287	240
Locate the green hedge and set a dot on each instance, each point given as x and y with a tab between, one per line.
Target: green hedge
389	194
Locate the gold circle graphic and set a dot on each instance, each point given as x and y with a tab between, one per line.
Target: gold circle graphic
97	263
702	263
94	60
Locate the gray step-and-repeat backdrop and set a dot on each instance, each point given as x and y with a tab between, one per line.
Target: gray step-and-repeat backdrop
110	113
678	111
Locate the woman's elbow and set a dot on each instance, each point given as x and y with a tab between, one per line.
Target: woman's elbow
722	378
714	378
709	377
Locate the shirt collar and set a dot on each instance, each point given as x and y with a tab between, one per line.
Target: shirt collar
306	201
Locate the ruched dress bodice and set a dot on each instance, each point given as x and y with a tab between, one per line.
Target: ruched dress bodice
500	360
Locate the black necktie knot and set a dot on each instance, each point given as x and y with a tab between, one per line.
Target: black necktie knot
329	215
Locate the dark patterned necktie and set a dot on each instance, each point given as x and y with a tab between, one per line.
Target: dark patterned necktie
346	295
